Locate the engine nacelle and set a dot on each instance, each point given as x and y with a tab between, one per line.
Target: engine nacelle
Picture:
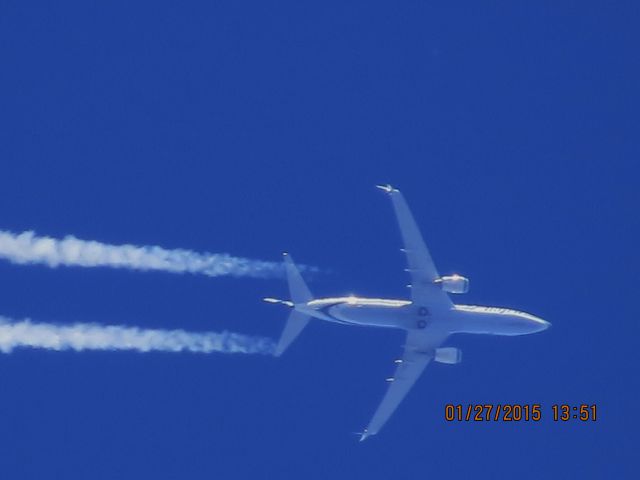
450	355
454	283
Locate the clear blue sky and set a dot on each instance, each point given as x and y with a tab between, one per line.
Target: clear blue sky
256	127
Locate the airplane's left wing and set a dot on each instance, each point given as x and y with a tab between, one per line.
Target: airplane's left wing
418	352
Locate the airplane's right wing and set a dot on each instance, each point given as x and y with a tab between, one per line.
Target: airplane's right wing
418	352
424	291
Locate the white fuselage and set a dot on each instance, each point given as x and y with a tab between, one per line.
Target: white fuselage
377	312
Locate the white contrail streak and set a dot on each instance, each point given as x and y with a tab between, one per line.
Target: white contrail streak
88	336
28	248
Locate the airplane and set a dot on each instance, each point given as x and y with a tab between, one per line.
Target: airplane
428	318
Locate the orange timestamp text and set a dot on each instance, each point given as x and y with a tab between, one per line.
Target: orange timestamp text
515	412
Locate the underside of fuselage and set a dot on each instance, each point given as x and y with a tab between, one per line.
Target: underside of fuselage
403	314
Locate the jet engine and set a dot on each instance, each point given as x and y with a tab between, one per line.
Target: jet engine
450	355
454	283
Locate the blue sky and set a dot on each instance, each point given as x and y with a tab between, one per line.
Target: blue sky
252	128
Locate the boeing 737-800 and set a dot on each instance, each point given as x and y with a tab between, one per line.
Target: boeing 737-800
429	317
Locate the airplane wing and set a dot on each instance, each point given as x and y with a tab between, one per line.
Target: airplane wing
418	352
424	292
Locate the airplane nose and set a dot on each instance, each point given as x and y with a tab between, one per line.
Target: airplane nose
542	324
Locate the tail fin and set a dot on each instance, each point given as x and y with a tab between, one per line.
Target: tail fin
300	294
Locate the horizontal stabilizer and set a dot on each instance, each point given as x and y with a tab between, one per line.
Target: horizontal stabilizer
300	295
295	324
297	287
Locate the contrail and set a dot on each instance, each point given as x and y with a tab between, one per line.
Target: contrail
28	248
89	336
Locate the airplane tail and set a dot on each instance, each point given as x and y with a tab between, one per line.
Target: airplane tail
297	287
300	295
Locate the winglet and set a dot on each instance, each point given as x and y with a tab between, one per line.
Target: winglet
387	188
363	435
